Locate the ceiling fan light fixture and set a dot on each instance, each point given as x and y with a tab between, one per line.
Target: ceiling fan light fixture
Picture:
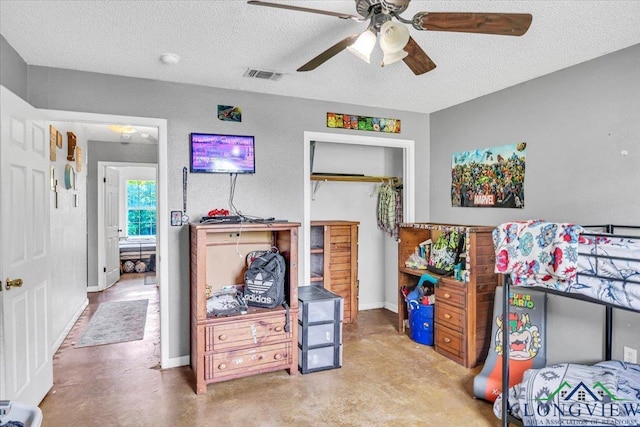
122	129
393	39
390	58
363	46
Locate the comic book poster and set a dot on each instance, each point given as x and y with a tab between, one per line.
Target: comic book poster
489	177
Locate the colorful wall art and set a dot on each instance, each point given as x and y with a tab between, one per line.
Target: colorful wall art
489	177
375	124
229	113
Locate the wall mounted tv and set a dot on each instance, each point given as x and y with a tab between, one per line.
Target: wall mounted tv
216	153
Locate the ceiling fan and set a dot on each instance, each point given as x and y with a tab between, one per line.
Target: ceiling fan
395	41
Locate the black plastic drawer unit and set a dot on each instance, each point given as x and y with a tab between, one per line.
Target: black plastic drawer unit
320	331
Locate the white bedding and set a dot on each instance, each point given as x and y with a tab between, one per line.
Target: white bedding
616	262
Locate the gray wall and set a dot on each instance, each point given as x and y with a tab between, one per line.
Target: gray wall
99	151
13	69
277	122
575	122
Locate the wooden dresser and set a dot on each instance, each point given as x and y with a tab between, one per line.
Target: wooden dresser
334	261
463	308
224	348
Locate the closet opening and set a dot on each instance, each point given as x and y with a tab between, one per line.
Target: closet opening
343	174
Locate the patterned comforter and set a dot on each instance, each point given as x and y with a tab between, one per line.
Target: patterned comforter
558	256
607	393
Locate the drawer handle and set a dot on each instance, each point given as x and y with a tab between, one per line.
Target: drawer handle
222	366
447	316
447	340
278	329
447	295
425	325
277	356
222	337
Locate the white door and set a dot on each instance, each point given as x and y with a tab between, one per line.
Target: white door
26	362
111	214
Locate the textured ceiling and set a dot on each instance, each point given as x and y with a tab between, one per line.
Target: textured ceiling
219	40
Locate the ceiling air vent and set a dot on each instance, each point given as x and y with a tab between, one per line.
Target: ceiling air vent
261	74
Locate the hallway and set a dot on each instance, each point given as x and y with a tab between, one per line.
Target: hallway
386	380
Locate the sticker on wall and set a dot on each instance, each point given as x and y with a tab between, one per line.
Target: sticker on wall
489	177
52	143
78	159
374	124
229	113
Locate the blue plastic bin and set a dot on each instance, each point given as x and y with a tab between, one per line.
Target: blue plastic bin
420	322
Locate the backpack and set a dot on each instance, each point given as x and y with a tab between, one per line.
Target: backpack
264	279
445	253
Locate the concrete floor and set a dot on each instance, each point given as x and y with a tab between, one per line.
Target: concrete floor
385	380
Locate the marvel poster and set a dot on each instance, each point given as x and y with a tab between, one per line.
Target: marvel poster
489	177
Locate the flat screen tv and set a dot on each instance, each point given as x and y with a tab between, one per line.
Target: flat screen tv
216	153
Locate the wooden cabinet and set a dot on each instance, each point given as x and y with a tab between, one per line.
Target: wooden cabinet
334	261
262	340
463	308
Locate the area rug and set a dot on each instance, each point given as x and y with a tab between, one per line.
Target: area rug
116	321
150	278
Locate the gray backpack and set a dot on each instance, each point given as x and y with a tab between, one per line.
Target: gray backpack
264	280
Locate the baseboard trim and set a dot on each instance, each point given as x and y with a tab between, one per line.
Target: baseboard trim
370	306
70	324
175	362
391	307
93	288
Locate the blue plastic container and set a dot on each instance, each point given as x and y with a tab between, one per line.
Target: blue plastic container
420	322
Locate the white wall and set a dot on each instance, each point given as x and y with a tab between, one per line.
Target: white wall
68	239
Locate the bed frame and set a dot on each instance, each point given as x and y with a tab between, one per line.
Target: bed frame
609	230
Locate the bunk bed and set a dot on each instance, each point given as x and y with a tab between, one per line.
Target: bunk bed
593	264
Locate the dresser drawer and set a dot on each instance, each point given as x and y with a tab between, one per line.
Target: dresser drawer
450	316
246	333
449	340
243	362
450	295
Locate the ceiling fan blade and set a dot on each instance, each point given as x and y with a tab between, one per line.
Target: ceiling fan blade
504	24
417	60
305	9
329	53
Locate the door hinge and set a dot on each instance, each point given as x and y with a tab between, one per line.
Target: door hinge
104	179
104	269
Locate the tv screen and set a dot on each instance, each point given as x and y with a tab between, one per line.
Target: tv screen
215	153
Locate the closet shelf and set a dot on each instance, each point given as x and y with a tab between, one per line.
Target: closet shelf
352	178
319	178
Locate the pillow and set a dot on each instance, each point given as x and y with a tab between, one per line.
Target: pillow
445	253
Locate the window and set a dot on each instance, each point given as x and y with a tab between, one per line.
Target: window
141	208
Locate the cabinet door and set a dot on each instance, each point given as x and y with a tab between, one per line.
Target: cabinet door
341	268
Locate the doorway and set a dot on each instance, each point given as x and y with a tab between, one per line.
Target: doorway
408	179
135	244
162	202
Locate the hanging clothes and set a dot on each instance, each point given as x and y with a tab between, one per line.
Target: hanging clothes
389	211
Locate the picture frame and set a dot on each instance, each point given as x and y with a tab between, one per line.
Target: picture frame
176	218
